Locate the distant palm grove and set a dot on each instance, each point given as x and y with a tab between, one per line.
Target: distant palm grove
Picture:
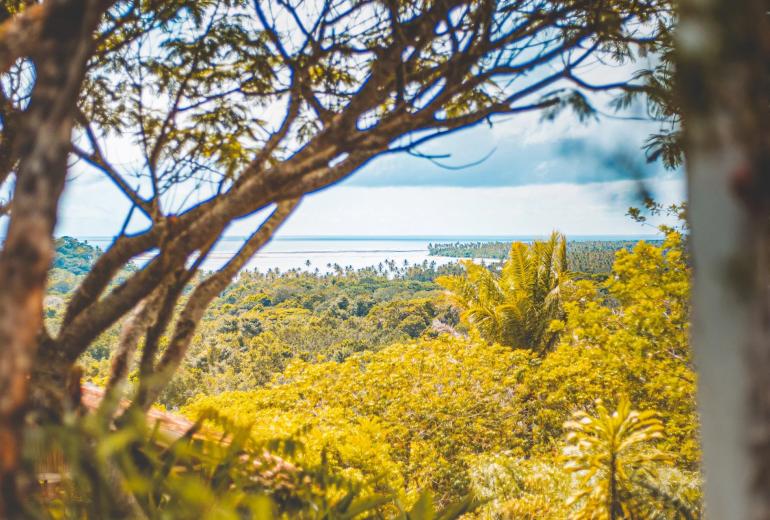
583	256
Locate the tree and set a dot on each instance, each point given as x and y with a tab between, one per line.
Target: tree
628	336
185	86
516	307
722	79
406	418
611	456
458	414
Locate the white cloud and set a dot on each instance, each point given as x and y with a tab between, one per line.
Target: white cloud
575	209
96	209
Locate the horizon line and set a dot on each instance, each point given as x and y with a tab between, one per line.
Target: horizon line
618	236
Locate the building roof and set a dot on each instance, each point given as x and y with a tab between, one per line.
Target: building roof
169	424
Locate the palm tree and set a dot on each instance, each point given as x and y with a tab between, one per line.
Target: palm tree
612	456
517	306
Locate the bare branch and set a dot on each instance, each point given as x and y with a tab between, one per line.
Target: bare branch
130	334
97	160
199	300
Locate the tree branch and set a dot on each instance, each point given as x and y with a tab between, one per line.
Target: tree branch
60	51
97	160
130	334
199	300
21	33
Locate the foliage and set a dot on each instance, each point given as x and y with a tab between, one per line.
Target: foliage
520	488
653	208
604	456
73	260
229	114
188	88
609	453
410	413
460	415
74	256
516	307
631	340
352	367
262	322
215	471
658	92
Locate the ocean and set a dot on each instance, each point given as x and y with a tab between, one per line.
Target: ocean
322	253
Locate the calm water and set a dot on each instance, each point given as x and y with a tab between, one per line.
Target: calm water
286	253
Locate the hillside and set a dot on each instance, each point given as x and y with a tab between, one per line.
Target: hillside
402	388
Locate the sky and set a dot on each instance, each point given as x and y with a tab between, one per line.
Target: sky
520	176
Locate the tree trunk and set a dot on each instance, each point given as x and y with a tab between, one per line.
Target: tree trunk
42	147
724	53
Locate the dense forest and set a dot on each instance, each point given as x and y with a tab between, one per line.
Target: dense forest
459	380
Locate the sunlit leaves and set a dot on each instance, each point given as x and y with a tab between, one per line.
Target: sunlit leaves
613	455
460	415
630	338
408	415
517	306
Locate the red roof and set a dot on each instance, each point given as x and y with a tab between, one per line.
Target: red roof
168	423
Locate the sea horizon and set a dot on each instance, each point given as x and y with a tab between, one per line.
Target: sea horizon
325	252
415	238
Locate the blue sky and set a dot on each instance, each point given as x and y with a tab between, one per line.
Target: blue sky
536	177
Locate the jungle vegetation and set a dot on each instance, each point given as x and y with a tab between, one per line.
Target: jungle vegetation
530	392
583	408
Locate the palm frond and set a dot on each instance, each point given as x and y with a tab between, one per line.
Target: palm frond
516	307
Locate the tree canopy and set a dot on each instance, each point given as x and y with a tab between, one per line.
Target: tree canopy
458	415
516	307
